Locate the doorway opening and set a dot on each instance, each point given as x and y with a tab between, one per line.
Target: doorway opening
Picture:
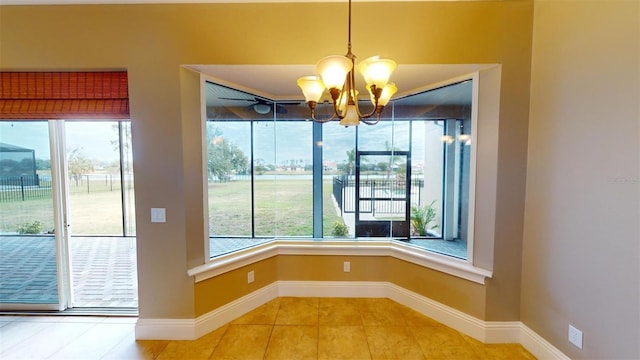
68	217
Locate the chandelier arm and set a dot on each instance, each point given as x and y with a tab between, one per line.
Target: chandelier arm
312	107
336	97
367	115
376	108
313	117
369	122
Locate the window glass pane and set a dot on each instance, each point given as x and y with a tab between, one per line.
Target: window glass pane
427	133
427	174
266	170
338	180
93	161
294	182
127	173
440	149
228	149
28	272
377	137
26	200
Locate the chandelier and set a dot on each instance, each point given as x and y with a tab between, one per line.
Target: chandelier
337	74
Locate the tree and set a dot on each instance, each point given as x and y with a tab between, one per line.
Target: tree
43	164
393	159
351	161
224	157
78	164
260	167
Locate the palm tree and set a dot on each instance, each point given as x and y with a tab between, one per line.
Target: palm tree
351	160
393	159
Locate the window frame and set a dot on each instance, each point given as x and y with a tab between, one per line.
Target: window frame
467	269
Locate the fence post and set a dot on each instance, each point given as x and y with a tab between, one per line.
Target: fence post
22	186
373	197
87	183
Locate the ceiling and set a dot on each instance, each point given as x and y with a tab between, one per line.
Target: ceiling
232	91
278	82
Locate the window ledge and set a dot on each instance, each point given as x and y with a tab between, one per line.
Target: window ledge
446	264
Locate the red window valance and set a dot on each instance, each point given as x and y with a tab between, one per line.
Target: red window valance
64	95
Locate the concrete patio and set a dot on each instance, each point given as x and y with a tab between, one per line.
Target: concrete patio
104	271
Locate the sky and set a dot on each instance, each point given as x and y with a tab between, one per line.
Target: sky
93	137
293	139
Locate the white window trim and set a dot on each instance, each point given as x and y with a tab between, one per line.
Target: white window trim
395	249
457	267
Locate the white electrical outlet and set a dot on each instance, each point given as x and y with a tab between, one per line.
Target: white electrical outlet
250	277
575	337
158	215
346	266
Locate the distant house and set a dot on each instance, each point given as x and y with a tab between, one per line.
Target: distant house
329	165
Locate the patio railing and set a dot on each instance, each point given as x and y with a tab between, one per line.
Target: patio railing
390	191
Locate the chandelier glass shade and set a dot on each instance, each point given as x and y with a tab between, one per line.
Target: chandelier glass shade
336	73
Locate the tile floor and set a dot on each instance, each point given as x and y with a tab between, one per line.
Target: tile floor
284	328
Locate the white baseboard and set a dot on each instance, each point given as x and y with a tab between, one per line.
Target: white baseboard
538	346
485	331
191	329
166	329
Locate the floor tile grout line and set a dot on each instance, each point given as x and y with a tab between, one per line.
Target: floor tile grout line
266	349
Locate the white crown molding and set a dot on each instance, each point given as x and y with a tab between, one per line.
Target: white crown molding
486	331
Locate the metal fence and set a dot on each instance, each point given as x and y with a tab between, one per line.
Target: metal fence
23	188
377	194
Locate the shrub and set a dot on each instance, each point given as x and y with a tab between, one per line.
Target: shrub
30	228
340	229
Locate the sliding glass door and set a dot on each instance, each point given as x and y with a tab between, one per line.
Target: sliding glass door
66	215
29	270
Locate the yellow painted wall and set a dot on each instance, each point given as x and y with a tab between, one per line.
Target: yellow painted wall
581	262
458	293
215	292
152	41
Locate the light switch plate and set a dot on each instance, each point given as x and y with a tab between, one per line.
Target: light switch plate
158	215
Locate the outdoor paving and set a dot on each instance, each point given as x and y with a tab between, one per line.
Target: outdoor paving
28	270
104	271
104	268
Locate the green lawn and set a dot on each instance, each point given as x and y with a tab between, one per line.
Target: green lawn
96	213
283	208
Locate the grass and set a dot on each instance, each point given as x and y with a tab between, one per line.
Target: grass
95	207
96	213
283	208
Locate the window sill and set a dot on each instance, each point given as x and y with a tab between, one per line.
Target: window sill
446	264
